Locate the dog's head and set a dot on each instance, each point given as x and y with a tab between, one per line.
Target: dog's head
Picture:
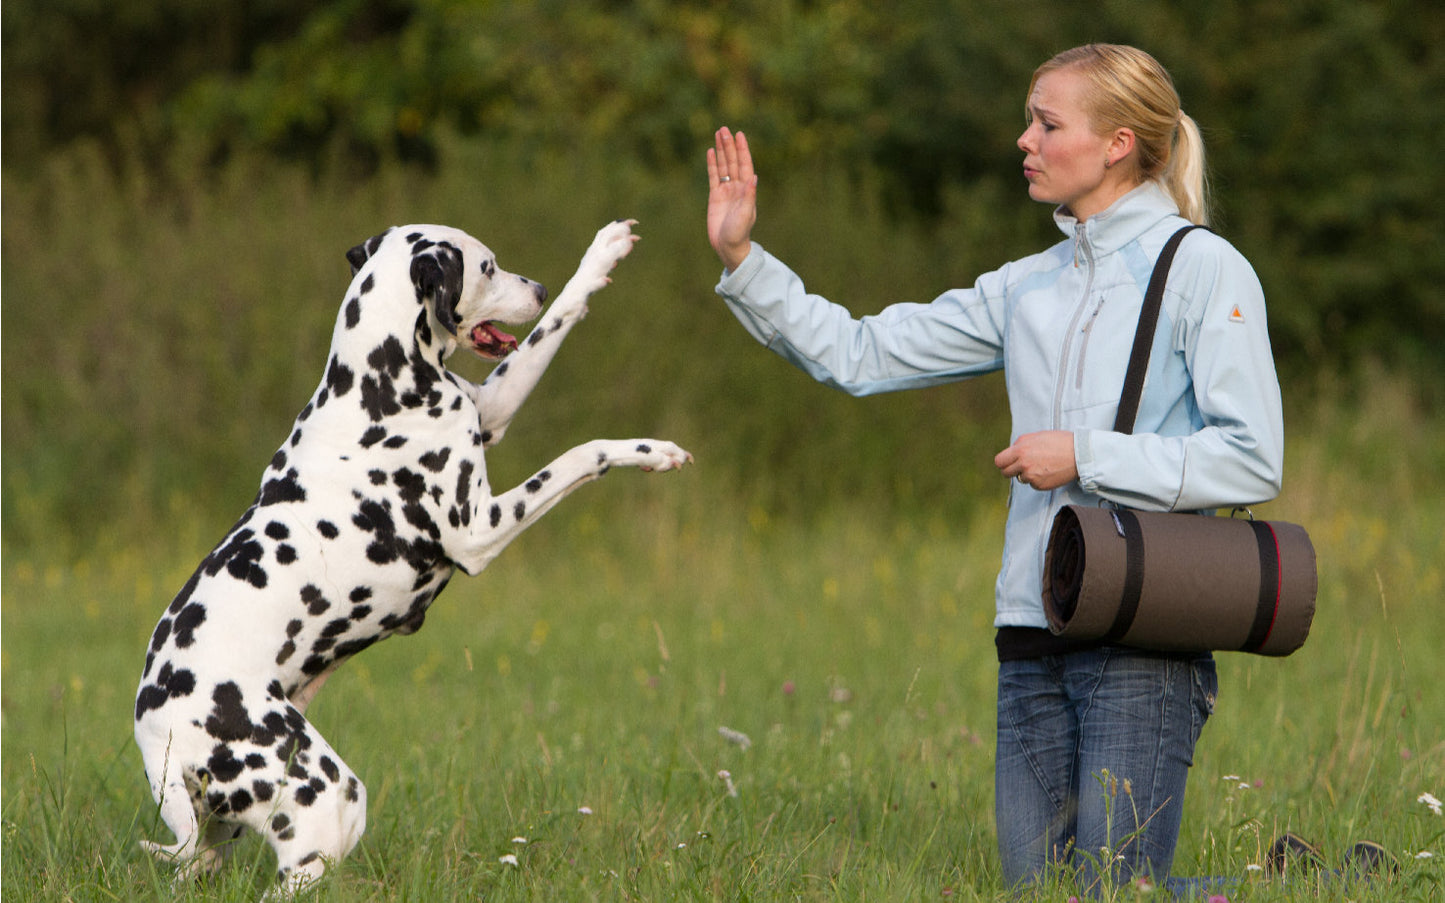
456	278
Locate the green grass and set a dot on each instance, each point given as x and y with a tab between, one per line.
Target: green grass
593	664
820	580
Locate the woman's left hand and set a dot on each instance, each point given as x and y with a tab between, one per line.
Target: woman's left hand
1042	460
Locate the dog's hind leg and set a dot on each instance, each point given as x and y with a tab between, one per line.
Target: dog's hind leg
193	853
318	816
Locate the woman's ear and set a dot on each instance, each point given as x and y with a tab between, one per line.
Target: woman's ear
1121	145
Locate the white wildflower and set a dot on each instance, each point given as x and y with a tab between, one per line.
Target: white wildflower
1231	777
1429	800
508	859
1253	868
727	778
736	738
519	840
1424	854
584	810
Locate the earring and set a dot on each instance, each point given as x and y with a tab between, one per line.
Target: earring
1108	163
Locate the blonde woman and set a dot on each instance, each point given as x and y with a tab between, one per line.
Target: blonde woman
1109	147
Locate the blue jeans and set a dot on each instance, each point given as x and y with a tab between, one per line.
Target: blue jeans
1093	751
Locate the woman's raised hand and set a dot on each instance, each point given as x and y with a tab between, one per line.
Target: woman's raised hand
732	201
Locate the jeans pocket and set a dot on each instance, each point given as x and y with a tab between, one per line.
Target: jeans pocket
1206	688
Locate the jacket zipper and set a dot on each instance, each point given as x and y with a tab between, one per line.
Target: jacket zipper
1088	330
1080	245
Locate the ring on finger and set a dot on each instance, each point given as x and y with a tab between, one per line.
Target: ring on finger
725	179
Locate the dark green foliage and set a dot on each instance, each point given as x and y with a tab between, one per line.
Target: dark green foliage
1322	118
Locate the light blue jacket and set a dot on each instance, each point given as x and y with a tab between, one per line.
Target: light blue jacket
1209	432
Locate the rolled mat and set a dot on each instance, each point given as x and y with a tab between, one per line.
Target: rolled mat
1179	582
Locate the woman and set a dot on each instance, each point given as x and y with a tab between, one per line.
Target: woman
1094	742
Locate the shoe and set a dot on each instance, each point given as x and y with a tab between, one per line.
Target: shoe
1292	853
1367	859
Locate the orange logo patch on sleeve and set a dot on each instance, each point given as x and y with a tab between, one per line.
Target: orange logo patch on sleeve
1236	315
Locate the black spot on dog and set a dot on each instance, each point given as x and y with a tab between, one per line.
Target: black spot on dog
229	720
224	765
520	510
184	595
278	460
496	515
285	554
263	791
360	612
644	448
435	461
170	683
353	311
336	627
327	529
361	594
389	357
411	486
287	489
377	477
161	634
328	768
339	378
394	442
315	602
187	623
372	436
239	801
277	530
378	397
255	761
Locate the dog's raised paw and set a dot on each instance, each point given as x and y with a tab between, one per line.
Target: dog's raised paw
613	242
660	456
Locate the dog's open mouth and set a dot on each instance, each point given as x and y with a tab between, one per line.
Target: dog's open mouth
490	342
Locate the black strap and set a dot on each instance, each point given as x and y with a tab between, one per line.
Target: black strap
1144	335
1133	576
1264	612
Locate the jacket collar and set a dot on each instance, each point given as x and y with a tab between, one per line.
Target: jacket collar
1122	222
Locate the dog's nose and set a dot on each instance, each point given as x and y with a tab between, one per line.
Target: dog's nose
540	291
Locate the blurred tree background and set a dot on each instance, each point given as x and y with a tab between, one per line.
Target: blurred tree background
1323	119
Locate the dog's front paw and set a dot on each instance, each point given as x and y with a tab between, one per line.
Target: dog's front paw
614	241
661	456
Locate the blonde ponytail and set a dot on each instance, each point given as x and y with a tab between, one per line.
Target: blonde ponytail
1185	177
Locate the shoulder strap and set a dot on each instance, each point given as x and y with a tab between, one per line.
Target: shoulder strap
1144	335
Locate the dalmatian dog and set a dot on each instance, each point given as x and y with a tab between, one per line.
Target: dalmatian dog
378	495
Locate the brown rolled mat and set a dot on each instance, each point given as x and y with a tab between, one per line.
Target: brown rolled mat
1179	582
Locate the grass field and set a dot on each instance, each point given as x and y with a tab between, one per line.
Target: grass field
565	709
819	582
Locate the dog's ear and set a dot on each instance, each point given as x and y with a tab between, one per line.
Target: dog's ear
436	271
359	255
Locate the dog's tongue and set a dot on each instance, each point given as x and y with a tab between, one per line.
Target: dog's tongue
487	336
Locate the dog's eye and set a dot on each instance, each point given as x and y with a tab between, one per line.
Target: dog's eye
488	268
